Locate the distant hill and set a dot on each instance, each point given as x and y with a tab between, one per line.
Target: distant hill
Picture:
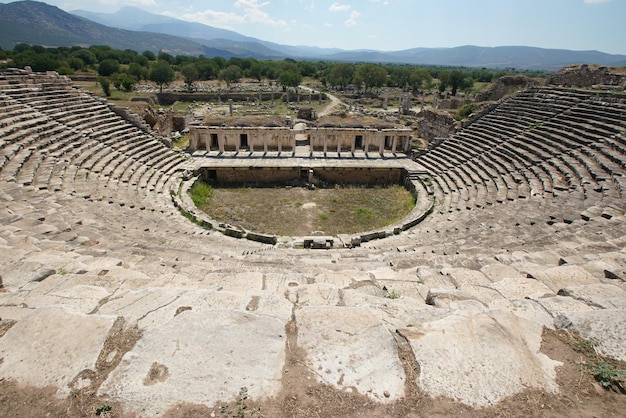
519	57
132	28
41	24
133	18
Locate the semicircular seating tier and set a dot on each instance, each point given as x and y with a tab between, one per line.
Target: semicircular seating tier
61	138
560	145
528	233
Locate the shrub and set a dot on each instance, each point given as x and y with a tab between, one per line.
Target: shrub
465	111
106	86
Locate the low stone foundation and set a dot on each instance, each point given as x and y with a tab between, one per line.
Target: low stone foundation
266	176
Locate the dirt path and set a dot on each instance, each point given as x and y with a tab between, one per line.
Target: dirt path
329	107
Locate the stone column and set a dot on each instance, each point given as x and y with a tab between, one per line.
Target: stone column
325	144
251	139
220	142
353	144
381	143
279	139
394	144
193	141
207	140
265	135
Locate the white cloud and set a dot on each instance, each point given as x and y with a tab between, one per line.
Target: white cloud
254	14
337	7
352	19
251	13
596	1
141	3
211	17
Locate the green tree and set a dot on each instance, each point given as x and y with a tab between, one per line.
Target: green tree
88	57
128	83
76	63
190	75
256	71
401	76
44	62
290	78
370	75
207	69
231	74
137	71
108	67
456	80
149	54
106	85
341	75
164	56
141	60
162	74
307	68
419	78
220	62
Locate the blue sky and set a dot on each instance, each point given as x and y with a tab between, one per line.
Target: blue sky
401	24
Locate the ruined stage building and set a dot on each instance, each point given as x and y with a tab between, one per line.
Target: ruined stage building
264	139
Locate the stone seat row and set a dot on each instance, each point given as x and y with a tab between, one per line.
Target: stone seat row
75	142
497	158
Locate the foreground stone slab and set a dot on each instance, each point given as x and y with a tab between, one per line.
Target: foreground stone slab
518	288
52	346
494	355
556	278
200	357
350	348
600	295
606	327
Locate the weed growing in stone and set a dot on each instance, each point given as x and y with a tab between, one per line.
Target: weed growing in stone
608	375
604	370
392	294
102	408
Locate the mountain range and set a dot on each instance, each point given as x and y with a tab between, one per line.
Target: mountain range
38	23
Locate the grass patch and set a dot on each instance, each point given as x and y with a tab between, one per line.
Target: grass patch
295	211
532	126
182	142
200	193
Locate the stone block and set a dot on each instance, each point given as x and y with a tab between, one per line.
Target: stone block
52	346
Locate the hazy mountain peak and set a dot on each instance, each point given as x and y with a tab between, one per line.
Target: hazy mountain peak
128	17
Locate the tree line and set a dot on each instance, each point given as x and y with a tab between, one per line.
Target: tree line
125	68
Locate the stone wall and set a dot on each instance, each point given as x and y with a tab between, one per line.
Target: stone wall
260	176
504	86
587	76
365	175
169	98
436	125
